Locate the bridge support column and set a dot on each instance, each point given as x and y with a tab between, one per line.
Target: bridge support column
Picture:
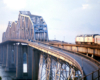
15	53
48	63
61	70
8	57
4	55
12	60
40	67
19	62
73	73
1	54
69	76
58	72
29	62
10	65
35	64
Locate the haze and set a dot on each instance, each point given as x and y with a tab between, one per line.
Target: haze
65	18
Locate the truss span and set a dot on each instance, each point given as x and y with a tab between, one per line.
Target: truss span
28	26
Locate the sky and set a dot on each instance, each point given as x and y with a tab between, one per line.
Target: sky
65	18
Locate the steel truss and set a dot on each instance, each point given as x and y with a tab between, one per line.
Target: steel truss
51	68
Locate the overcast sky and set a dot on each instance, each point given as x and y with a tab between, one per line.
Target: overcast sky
65	18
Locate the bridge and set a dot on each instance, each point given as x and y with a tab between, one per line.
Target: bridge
46	60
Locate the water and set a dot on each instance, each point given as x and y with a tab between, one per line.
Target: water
10	75
24	68
6	75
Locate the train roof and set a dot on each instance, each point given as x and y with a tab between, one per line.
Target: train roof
91	34
87	35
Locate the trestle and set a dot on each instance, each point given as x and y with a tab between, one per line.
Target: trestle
51	68
48	63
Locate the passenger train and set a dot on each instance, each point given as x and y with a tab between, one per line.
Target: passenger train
88	39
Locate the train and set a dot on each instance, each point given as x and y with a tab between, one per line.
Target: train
28	27
88	39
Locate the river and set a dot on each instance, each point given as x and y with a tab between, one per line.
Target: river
10	75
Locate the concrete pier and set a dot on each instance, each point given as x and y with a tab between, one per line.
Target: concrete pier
29	62
1	54
21	49
8	57
35	64
4	55
19	62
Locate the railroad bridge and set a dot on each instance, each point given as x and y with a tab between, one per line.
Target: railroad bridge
46	60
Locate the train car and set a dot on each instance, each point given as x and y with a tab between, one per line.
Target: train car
79	39
90	39
97	39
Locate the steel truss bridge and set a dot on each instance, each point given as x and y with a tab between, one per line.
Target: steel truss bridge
45	59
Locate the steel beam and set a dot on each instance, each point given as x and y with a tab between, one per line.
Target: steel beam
48	65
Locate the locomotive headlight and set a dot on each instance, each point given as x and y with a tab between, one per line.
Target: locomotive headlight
44	28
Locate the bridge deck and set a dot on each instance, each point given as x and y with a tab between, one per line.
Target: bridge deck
88	66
